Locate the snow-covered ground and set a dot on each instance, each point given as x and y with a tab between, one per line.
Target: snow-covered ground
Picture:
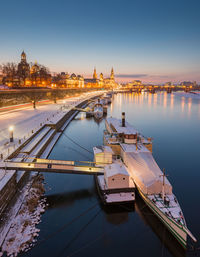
26	121
19	230
193	94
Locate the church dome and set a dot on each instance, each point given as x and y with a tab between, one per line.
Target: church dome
73	76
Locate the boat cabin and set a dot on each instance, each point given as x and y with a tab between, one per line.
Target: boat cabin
126	133
116	176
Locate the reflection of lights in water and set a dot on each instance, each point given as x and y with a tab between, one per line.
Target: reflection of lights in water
165	100
142	97
149	99
189	106
172	101
136	97
182	103
119	99
155	99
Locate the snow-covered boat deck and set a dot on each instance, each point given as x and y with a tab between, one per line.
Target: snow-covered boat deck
170	207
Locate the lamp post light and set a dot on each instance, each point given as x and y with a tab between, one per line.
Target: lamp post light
11	128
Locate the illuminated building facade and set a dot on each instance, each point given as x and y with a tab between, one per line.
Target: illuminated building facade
64	80
29	75
135	83
101	82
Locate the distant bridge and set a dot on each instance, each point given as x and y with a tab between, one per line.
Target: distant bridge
54	166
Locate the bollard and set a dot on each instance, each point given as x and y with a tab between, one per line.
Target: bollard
32	131
1	156
19	141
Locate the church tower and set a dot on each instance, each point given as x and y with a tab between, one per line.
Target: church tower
23	57
101	76
95	74
112	76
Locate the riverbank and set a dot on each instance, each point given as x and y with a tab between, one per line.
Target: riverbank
39	144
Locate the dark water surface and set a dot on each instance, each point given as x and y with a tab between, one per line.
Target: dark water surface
76	224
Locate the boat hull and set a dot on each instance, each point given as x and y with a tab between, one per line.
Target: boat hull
177	230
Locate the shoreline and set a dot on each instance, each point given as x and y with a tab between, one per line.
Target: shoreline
23	178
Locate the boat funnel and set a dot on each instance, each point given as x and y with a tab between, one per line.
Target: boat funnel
123	119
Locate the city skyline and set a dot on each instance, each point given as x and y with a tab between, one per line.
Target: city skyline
154	42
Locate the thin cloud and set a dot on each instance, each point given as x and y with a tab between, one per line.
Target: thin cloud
131	75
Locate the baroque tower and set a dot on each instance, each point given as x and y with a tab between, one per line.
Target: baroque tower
112	76
101	76
23	57
95	73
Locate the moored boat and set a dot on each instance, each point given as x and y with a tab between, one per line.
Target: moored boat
116	185
98	110
151	182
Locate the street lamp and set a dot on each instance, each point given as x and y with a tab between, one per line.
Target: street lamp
11	128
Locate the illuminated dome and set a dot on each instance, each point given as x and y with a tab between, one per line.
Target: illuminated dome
73	76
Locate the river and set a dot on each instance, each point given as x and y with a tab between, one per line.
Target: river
75	222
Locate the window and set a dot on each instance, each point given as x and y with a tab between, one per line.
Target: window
123	178
113	179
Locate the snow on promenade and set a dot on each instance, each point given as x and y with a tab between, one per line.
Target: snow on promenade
29	120
19	231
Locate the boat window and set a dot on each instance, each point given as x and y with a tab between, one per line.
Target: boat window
113	179
123	178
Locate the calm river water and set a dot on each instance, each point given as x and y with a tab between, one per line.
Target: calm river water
76	224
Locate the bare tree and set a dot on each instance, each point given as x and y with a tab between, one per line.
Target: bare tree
9	71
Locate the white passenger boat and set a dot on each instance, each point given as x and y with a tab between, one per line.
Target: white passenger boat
98	110
152	185
116	185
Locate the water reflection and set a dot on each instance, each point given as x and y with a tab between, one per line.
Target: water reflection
172	101
182	104
165	99
189	106
149	99
117	214
155	99
63	200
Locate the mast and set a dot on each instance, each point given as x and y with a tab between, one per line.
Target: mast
163	184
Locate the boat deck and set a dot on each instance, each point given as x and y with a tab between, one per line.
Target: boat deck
171	208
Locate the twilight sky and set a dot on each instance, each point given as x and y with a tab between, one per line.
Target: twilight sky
150	40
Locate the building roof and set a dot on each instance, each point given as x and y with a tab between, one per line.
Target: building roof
146	173
91	80
116	168
101	149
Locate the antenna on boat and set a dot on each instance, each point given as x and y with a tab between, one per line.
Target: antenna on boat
163	185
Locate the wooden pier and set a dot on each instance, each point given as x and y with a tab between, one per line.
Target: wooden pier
54	166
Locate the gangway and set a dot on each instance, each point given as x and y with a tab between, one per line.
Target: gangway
54	166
